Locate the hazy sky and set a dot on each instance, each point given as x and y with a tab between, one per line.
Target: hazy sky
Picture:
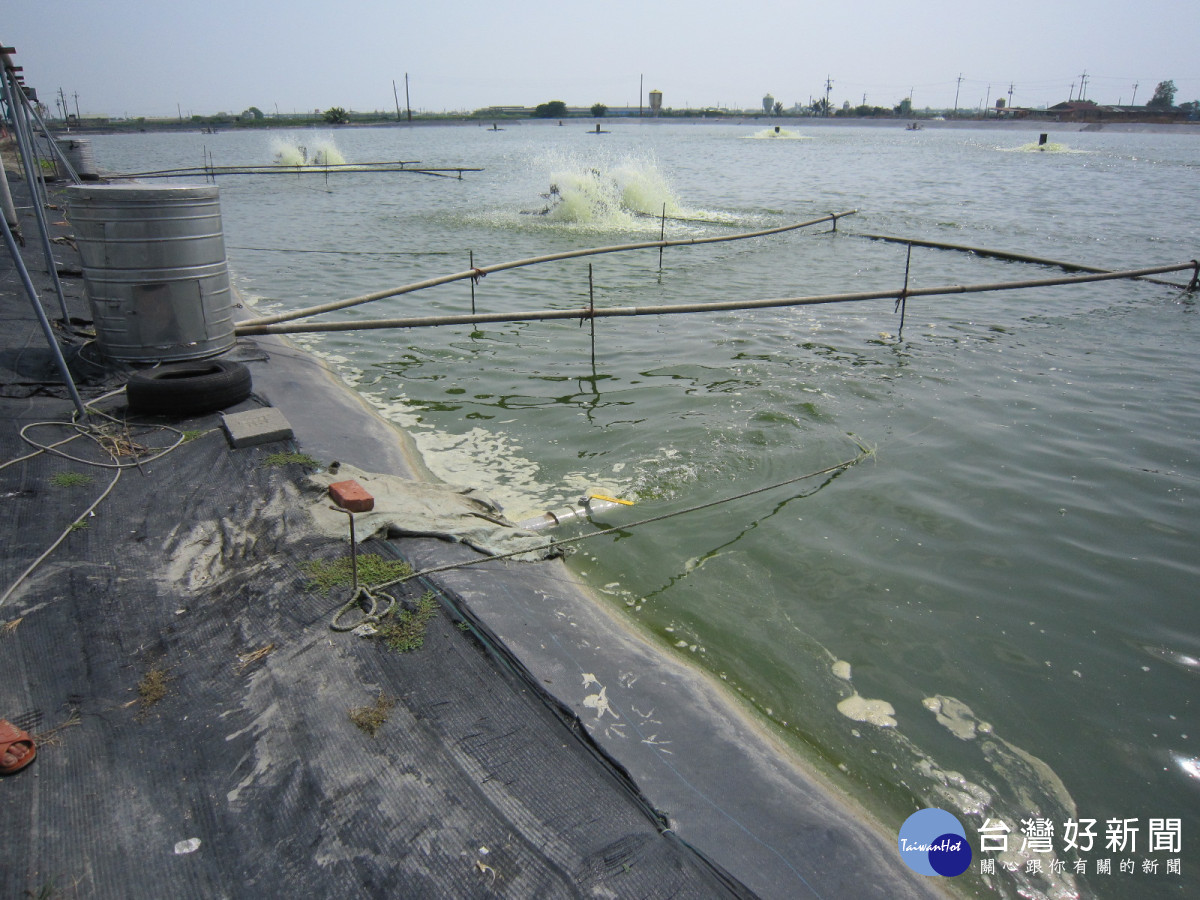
161	57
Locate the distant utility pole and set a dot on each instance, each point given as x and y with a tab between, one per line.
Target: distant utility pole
987	102
77	116
828	88
1010	90
641	87
407	101
1133	102
956	90
396	97
1083	85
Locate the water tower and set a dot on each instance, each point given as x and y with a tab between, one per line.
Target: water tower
655	102
768	104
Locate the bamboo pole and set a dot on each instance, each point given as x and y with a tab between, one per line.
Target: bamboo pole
477	273
249	328
998	254
190	170
213	171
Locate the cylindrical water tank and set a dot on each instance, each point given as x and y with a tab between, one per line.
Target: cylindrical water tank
78	152
154	269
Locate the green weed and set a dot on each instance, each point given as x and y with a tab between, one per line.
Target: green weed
325	574
70	479
286	459
405	631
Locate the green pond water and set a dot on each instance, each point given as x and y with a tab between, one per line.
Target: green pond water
996	612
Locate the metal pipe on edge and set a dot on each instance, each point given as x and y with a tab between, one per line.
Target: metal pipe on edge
250	328
57	150
478	273
11	87
59	361
6	203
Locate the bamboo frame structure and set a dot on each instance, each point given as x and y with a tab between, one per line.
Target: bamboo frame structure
475	273
259	327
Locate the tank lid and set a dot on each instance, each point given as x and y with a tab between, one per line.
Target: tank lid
140	191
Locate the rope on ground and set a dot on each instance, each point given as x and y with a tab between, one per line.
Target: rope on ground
108	443
864	453
62	537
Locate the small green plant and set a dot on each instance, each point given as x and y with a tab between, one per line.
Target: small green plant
286	459
371	718
78	526
405	631
70	479
330	573
192	434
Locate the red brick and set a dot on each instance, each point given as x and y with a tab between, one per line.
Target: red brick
352	496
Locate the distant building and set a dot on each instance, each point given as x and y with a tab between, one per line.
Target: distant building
655	102
768	104
1089	111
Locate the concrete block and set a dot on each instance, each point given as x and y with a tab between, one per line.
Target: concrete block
256	426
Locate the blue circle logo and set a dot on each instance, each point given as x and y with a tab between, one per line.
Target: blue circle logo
933	842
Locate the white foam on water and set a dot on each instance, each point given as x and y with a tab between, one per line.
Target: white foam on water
1033	147
311	149
873	712
776	134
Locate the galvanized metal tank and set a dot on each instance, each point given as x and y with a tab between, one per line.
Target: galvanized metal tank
154	269
78	152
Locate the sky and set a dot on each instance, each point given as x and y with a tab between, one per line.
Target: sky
183	57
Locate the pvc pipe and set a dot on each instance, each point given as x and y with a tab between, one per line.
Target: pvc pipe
478	273
543	314
581	510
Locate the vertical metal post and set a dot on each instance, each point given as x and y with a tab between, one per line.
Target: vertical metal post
592	314
662	235
472	280
902	300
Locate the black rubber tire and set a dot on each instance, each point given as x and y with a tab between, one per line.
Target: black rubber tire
188	388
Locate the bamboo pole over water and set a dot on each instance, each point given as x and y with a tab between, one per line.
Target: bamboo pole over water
477	273
254	327
212	171
311	167
997	254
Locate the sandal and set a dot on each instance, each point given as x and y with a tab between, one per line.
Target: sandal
17	749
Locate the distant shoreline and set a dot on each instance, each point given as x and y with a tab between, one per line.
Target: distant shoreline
807	122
